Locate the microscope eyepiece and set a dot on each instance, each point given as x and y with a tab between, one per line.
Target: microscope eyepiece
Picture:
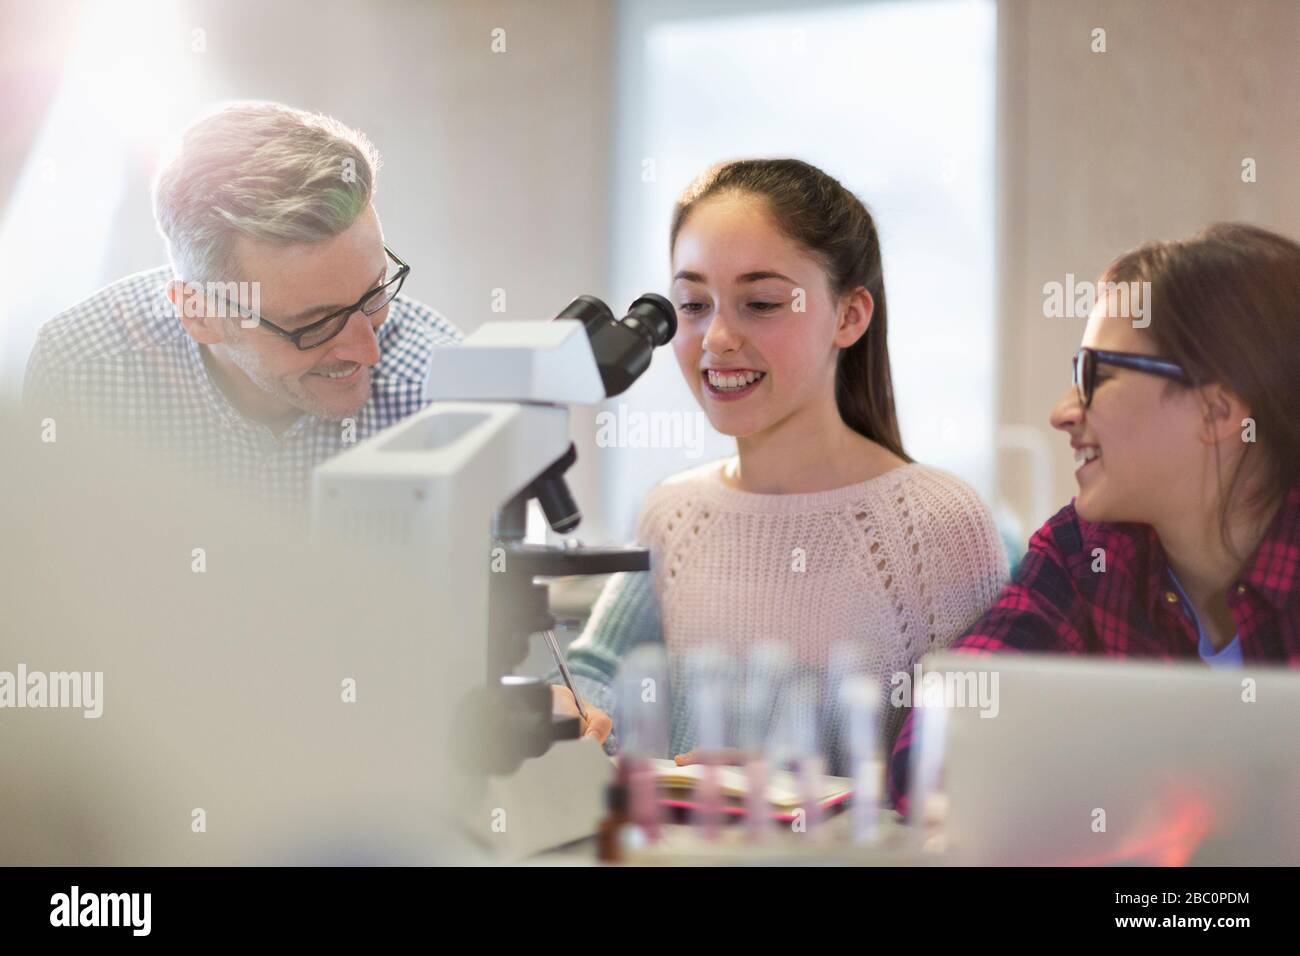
622	348
587	309
656	316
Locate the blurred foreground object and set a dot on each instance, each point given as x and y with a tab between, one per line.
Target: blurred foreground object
265	700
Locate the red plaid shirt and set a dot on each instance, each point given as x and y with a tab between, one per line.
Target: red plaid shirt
1059	604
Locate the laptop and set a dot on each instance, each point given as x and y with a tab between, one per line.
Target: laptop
1055	760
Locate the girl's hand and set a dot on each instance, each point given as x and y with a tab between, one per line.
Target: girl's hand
598	723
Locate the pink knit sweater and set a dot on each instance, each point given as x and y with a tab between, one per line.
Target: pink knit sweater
886	570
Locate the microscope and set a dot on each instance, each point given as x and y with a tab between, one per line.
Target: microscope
448	490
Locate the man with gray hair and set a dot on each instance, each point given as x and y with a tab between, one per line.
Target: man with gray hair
278	334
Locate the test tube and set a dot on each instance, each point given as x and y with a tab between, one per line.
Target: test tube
930	731
765	669
810	763
706	678
643	730
861	698
797	745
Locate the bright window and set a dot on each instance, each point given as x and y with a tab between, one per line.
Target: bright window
894	99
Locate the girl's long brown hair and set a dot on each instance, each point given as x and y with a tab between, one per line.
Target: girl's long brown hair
1225	305
817	212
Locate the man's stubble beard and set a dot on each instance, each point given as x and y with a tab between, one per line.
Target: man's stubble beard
302	400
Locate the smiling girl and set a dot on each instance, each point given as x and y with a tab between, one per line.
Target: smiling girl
820	533
1184	540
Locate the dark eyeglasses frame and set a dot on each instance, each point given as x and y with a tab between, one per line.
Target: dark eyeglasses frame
1085	362
370	303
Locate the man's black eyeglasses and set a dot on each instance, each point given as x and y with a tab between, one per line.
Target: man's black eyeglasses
320	332
1087	360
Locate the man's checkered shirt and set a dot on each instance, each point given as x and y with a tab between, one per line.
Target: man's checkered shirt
121	362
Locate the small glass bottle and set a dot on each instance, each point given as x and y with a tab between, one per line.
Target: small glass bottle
610	836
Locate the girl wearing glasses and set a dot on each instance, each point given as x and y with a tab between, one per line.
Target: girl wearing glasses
1184	539
820	535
